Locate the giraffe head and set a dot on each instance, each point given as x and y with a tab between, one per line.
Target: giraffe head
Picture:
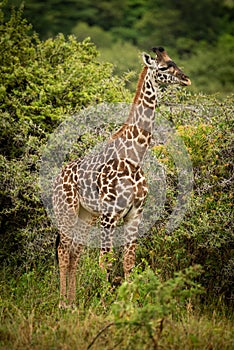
165	70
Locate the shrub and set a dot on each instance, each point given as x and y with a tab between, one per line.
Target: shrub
205	235
40	83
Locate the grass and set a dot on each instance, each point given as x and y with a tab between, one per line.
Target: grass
30	318
66	330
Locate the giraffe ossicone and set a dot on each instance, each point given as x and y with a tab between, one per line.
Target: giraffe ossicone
109	185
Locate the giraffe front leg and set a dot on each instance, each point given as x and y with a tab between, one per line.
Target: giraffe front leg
131	224
106	252
129	258
105	261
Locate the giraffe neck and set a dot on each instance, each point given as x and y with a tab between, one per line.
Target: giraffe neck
140	84
144	102
136	132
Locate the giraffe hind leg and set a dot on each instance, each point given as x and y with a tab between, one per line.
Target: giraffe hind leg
79	238
68	256
63	258
73	262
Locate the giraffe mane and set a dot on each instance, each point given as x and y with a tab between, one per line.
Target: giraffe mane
121	130
139	85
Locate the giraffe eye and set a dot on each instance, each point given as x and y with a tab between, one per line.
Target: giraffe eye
163	69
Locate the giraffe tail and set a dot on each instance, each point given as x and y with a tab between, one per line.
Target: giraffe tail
56	247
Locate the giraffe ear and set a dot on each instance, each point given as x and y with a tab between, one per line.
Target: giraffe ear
148	60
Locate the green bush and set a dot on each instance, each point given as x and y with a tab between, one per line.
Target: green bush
40	83
205	235
142	305
44	81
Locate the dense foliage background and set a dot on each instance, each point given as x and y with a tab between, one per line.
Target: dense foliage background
198	33
40	83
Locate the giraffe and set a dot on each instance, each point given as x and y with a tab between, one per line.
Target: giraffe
110	185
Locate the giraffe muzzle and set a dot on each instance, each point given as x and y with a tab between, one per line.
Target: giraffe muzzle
186	82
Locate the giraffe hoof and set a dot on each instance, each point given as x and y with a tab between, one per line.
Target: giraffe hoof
117	281
62	305
69	307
